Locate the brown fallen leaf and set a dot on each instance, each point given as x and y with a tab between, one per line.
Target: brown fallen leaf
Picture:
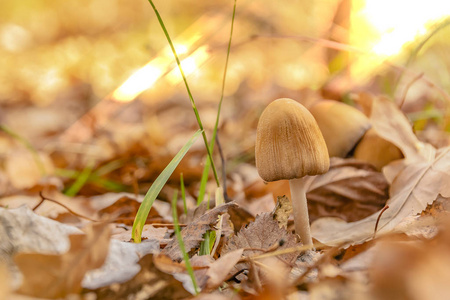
219	270
192	234
392	125
282	211
149	283
350	190
55	276
416	186
262	234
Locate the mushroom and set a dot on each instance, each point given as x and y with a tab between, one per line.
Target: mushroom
375	150
342	125
289	145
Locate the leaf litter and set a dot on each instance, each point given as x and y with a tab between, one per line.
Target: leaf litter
258	257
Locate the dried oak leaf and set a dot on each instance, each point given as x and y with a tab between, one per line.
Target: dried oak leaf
149	283
56	276
192	234
350	190
416	181
261	235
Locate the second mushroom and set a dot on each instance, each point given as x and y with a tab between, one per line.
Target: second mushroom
290	146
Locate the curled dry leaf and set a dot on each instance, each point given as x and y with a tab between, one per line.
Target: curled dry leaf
392	125
350	190
56	276
193	233
219	270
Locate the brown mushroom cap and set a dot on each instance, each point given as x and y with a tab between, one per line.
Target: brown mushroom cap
289	143
342	125
375	150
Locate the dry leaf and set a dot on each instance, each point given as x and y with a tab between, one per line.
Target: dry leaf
415	182
21	230
416	186
121	264
219	270
282	211
263	234
392	125
149	283
350	190
55	276
192	234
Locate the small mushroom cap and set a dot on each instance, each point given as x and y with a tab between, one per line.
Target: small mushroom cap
375	150
342	125
289	143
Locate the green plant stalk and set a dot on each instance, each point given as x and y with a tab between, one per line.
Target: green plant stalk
94	178
204	178
156	187
80	181
27	145
181	243
183	193
191	98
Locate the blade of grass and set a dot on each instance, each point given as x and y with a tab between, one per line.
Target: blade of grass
194	107
94	179
181	243
204	178
183	193
80	181
156	187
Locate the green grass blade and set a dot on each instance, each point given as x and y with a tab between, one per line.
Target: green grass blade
181	243
194	107
80	181
183	193
204	178
203	182
156	187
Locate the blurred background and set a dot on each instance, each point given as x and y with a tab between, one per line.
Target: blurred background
93	84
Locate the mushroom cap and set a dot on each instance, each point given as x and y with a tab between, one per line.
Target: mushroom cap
375	150
289	143
342	125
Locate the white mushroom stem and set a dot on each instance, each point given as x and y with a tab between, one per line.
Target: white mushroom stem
300	210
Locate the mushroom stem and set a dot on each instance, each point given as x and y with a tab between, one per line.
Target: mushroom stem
300	210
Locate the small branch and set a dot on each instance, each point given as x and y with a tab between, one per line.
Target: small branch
407	87
71	211
378	220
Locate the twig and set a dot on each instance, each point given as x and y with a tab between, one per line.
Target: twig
378	220
71	211
407	87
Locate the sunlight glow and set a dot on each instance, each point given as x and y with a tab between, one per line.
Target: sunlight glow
140	81
189	64
401	21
